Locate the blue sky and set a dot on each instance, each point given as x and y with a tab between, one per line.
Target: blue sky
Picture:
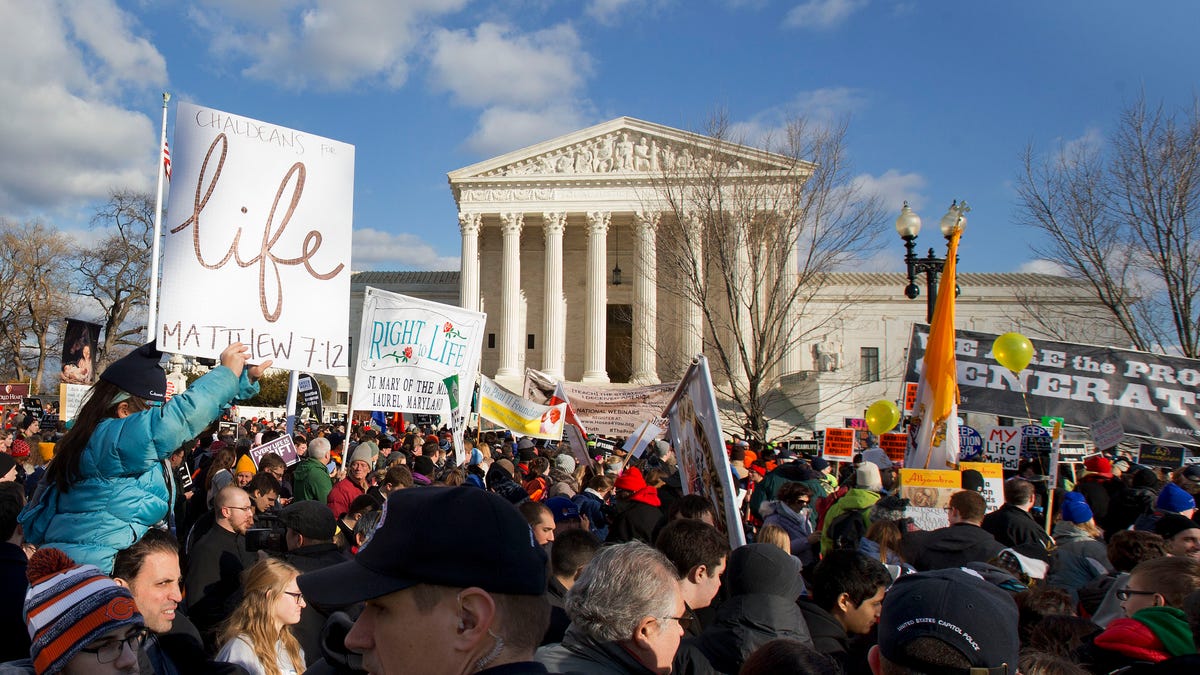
941	96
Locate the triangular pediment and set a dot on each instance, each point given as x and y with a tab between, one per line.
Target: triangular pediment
623	147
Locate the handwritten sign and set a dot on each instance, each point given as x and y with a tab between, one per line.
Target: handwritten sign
70	399
895	445
1107	431
259	221
993	481
407	350
839	445
1003	445
282	446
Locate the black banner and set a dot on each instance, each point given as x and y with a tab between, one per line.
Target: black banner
1154	396
79	351
308	395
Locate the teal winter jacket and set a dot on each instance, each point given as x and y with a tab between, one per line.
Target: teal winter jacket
122	489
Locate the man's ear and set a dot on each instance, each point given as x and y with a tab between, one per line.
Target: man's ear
697	573
843	603
643	636
121	582
475	614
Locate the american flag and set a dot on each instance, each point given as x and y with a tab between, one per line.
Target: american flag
166	160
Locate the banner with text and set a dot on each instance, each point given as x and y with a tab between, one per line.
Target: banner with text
259	218
695	433
408	347
518	414
609	410
1153	396
12	393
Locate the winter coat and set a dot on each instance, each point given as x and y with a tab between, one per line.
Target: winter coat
580	654
768	488
744	623
637	517
125	483
1015	528
342	496
1078	559
13	584
500	481
797	525
828	636
855	498
952	546
311	481
591	505
1125	507
1098	491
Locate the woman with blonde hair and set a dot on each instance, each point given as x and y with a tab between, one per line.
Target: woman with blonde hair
258	635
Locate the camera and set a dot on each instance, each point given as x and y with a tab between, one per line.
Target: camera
268	534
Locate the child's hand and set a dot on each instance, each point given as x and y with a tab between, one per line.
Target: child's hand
234	357
257	371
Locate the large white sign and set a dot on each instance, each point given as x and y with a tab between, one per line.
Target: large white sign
408	347
1003	446
256	242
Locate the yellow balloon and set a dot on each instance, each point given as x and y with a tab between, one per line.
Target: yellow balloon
882	417
1013	351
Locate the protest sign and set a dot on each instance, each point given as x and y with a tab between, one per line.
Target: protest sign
1151	394
13	392
282	446
1072	451
520	415
855	423
608	410
928	492
1107	432
1160	456
79	352
805	448
993	481
1003	445
646	433
309	395
408	347
695	432
970	444
70	399
895	445
839	445
910	397
259	217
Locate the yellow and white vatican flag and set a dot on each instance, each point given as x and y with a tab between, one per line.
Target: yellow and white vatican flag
518	414
935	415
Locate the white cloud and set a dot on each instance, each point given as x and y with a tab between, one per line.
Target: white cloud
67	135
502	128
607	11
825	106
1091	141
497	65
376	249
325	44
822	14
894	188
1042	266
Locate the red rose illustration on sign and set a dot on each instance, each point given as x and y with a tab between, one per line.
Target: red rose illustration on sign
404	356
452	332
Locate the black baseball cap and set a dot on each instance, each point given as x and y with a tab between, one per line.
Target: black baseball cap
310	518
458	537
957	608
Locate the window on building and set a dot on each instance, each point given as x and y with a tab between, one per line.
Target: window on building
529	341
869	364
491	340
343	398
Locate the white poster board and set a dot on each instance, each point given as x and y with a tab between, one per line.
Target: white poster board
1003	445
256	242
408	347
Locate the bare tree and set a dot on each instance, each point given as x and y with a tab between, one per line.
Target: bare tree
750	237
1119	216
34	266
116	271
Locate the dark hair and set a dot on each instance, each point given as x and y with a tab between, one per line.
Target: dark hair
691	506
1127	548
572	550
538	466
262	483
688	543
270	435
12	500
1038	603
600	483
362	504
532	511
222	461
791	491
127	564
398	476
784	655
1171	577
935	654
1017	491
63	470
1034	662
850	572
1058	634
270	461
970	505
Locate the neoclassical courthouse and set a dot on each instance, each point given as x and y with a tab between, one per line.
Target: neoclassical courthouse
544	227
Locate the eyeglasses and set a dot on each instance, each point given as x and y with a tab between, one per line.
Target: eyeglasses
110	650
298	597
1125	593
241	508
685	622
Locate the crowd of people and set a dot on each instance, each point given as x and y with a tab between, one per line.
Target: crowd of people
157	540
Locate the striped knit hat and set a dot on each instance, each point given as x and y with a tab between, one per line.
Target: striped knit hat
68	606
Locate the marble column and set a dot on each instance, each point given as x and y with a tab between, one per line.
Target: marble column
596	346
693	319
510	295
468	281
554	328
792	343
645	301
745	292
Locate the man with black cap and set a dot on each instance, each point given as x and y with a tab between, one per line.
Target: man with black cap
1181	535
949	622
309	533
460	566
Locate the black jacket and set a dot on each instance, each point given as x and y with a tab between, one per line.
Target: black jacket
13	585
952	546
744	623
828	636
312	618
634	520
213	578
1015	528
